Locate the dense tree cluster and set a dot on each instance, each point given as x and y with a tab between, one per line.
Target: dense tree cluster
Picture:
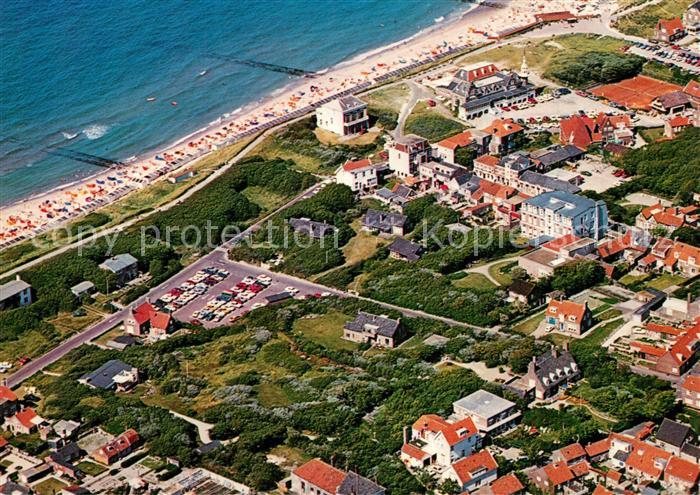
582	69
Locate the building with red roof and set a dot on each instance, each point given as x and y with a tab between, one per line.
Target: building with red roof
24	422
673	257
474	471
504	135
320	478
145	319
359	175
637	93
446	149
554	477
505	485
690	391
601	490
676	125
598	450
571	454
668	218
681	476
568	317
434	440
117	448
629	247
8	402
582	131
669	30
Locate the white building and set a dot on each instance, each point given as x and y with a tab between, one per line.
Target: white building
358	175
491	414
16	292
437	441
343	116
558	213
407	153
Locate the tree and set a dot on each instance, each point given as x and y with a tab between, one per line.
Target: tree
574	277
450	487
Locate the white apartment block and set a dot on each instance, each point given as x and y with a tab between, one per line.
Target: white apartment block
343	116
558	213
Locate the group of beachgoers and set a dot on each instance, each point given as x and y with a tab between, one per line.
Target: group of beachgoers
31	217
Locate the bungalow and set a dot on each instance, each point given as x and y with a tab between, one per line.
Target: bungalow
113	375
522	292
383	222
405	250
543	261
358	175
146	319
376	330
315	230
505	134
474	471
83	289
124	266
568	317
24	422
406	153
435	441
557	477
181	176
15	293
669	30
319	478
117	448
344	116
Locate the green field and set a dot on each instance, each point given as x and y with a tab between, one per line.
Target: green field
429	123
601	333
325	330
50	486
665	281
530	324
474	281
90	468
501	272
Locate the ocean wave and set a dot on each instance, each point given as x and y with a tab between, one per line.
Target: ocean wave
95	131
69	135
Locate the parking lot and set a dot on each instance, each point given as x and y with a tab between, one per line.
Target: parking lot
226	290
597	176
685	59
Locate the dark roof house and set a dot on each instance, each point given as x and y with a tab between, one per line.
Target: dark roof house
404	249
108	375
313	229
384	222
673	434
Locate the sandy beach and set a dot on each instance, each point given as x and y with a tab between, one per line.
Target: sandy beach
30	217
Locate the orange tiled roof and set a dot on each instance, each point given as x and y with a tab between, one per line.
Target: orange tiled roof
435	424
481	72
7	394
457	141
692	88
580	131
560	242
506	485
558	473
683	252
488	160
644	457
468	465
601	490
567	308
682	469
573	451
413	451
355	165
26	417
580	469
503	127
667	329
679	121
318	473
692	383
648	349
671	26
599	447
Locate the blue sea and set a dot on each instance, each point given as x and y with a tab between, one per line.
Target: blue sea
76	74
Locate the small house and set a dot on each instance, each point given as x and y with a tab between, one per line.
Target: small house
124	266
405	250
376	330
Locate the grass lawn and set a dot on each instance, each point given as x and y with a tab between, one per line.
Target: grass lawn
641	22
652	134
530	324
361	247
392	97
90	468
106	337
474	281
49	486
557	338
151	463
430	124
601	333
292	456
674	74
665	281
326	330
264	198
691	417
500	271
609	314
271	395
539	52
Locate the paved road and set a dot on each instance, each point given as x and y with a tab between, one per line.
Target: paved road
111	321
202	428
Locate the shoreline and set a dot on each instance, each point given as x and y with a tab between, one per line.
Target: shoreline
46	210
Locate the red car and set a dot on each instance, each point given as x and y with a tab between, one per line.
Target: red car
195	321
23	360
255	288
431	103
532	100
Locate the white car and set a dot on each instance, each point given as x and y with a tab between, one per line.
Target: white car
248	280
291	290
325	294
258	305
